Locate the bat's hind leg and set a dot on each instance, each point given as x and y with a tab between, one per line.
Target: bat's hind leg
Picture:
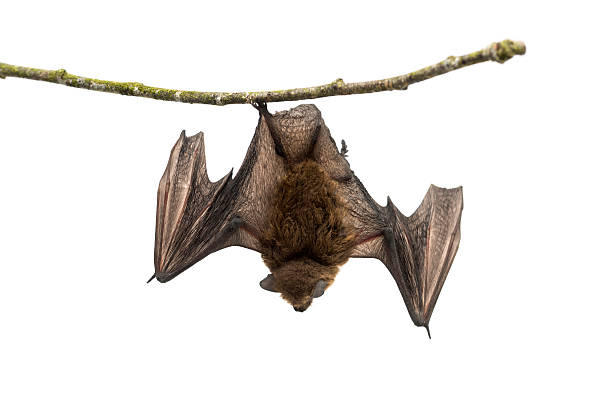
262	107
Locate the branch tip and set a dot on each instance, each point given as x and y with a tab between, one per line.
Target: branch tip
505	50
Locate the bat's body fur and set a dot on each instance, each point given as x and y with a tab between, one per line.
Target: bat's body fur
306	239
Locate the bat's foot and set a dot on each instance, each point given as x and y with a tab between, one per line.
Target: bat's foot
262	107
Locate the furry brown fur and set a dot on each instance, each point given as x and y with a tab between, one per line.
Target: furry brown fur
306	239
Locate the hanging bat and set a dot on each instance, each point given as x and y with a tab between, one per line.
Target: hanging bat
297	202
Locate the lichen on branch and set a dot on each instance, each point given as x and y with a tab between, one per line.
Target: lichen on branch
497	52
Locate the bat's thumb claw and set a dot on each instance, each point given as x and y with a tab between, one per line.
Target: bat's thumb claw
427	327
344	149
151	279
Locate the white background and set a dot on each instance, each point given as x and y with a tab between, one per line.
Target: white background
525	308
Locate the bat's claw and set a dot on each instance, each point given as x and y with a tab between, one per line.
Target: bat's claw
428	334
344	149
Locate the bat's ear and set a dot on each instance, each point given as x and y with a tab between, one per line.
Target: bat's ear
319	288
268	283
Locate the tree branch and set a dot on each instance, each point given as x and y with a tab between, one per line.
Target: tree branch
498	52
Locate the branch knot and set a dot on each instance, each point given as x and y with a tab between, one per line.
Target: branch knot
59	75
338	83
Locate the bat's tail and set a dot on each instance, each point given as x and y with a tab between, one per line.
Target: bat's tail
153	276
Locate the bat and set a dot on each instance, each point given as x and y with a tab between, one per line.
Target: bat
296	200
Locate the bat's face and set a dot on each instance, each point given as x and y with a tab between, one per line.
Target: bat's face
300	281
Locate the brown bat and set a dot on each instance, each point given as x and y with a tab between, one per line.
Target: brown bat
297	202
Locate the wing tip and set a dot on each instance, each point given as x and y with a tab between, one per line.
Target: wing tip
428	332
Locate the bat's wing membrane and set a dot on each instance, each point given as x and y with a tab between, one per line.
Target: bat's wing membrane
196	217
418	250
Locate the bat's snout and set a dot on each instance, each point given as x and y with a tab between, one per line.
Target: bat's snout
300	308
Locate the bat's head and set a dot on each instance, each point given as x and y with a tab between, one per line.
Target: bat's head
300	281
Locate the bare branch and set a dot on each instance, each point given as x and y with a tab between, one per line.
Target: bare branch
498	52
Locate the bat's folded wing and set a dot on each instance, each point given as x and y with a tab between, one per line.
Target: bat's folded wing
195	216
418	250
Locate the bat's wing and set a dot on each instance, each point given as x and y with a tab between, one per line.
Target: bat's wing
418	250
196	217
